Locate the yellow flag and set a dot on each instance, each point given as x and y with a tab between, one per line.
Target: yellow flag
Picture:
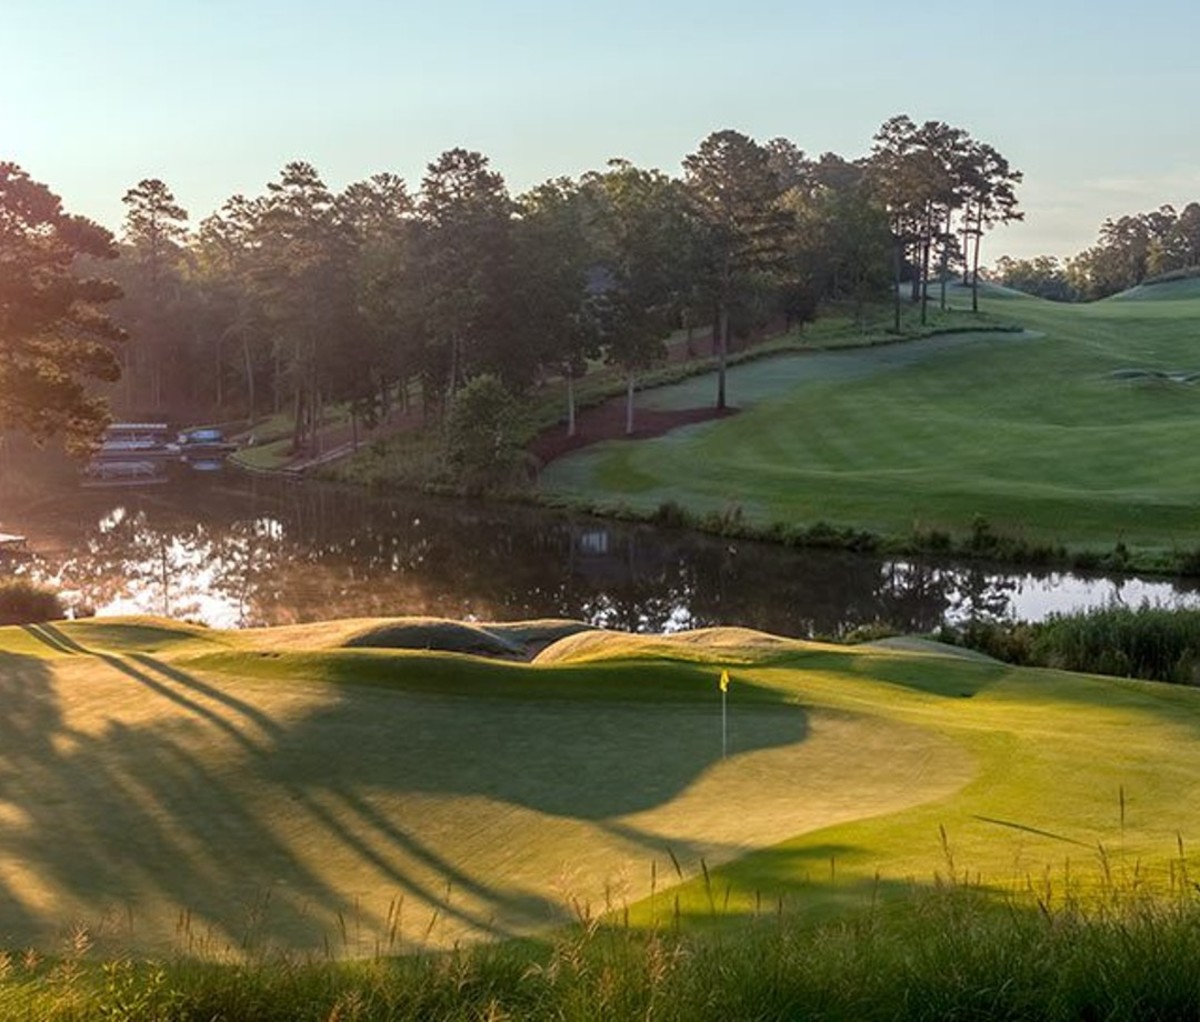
724	681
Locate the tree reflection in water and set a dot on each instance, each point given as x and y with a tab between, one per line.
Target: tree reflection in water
236	551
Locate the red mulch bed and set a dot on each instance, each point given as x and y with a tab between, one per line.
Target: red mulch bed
607	422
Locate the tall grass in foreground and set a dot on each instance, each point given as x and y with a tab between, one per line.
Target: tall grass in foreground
1150	642
949	951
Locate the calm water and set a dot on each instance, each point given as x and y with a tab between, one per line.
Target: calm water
232	550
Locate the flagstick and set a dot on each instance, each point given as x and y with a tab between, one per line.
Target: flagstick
724	725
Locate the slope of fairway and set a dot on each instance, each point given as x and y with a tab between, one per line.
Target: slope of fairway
1167	291
1039	434
229	791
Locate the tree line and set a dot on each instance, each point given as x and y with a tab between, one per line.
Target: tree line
1130	250
380	295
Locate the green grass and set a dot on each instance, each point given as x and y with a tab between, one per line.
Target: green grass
197	824
945	954
224	794
1028	431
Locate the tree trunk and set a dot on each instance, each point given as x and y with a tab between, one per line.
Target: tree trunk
217	367
318	415
722	352
897	258
966	233
298	424
915	287
629	405
570	402
945	257
975	266
452	380
926	246
249	374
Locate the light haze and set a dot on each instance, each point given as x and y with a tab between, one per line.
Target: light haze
1089	99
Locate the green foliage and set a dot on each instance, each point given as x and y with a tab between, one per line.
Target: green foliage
1154	643
55	338
484	435
1042	276
25	602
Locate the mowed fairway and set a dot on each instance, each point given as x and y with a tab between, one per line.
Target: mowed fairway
1031	432
175	787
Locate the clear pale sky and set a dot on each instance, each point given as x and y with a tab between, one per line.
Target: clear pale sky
1092	99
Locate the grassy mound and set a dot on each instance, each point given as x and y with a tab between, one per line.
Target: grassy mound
497	640
1184	288
704	645
230	793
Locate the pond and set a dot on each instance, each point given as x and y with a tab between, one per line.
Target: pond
233	550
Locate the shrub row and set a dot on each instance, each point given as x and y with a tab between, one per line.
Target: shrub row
1153	643
24	602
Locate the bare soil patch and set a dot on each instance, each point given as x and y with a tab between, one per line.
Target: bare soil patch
607	422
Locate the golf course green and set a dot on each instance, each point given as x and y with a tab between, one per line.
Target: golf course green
1079	431
365	787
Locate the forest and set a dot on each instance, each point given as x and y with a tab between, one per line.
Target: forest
1135	249
384	294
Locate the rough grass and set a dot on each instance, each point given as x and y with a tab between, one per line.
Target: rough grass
948	952
224	794
1030	433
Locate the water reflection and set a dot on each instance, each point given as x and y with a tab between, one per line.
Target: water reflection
234	551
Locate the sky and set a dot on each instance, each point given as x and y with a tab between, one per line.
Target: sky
1091	100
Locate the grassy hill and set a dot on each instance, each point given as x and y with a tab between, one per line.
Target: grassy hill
222	793
1043	434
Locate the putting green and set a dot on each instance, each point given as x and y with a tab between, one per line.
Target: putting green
1036	432
231	790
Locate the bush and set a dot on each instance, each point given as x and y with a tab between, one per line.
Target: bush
485	434
23	602
1152	643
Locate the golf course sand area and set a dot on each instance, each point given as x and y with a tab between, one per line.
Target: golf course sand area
178	788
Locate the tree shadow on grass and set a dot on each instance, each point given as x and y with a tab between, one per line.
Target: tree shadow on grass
197	803
955	678
580	760
124	812
29	722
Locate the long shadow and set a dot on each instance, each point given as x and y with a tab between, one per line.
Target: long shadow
383	861
187	703
248	712
30	721
55	639
122	811
139	810
958	678
579	760
525	905
109	818
1034	830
